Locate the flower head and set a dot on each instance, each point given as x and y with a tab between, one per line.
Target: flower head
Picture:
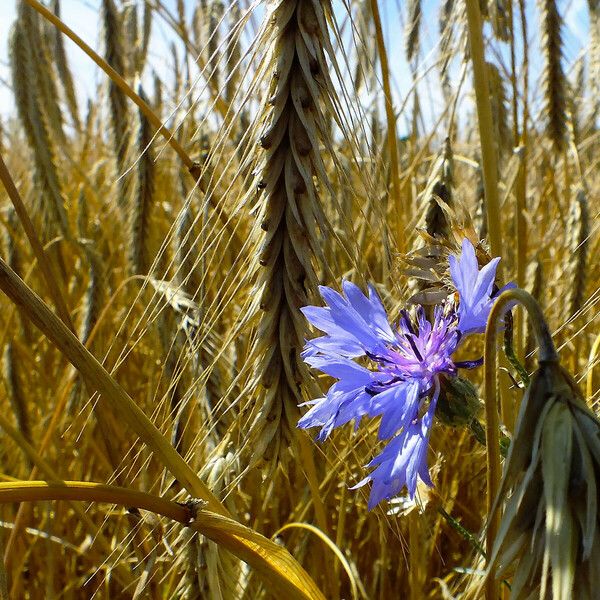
393	372
402	366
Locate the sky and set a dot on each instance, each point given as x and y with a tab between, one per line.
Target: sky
82	16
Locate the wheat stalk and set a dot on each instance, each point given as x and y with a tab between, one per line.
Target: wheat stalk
413	24
115	57
578	231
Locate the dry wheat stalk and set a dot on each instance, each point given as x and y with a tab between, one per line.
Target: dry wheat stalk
186	254
234	54
14	388
157	100
199	20
480	212
115	57
499	101
213	46
534	279
129	20
413	25
44	85
94	296
438	188
500	18
143	41
594	55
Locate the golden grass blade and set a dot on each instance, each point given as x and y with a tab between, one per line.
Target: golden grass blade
271	561
286	578
354	584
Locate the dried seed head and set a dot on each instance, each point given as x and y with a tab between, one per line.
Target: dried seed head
548	538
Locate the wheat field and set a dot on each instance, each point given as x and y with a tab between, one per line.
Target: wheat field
161	236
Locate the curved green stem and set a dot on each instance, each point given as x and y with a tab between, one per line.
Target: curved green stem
547	353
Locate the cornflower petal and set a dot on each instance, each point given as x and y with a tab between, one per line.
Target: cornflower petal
474	287
370	309
345	400
398	406
338	340
346	317
402	461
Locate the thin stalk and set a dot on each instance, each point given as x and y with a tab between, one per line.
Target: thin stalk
519	137
402	212
84	491
589	384
486	128
489	161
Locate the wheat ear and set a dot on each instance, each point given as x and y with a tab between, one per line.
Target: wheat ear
553	79
64	72
292	123
139	227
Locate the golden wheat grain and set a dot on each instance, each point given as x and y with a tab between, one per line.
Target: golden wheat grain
129	20
500	18
44	84
502	125
578	231
413	24
14	388
291	124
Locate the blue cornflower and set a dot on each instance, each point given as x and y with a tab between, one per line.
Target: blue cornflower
399	378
